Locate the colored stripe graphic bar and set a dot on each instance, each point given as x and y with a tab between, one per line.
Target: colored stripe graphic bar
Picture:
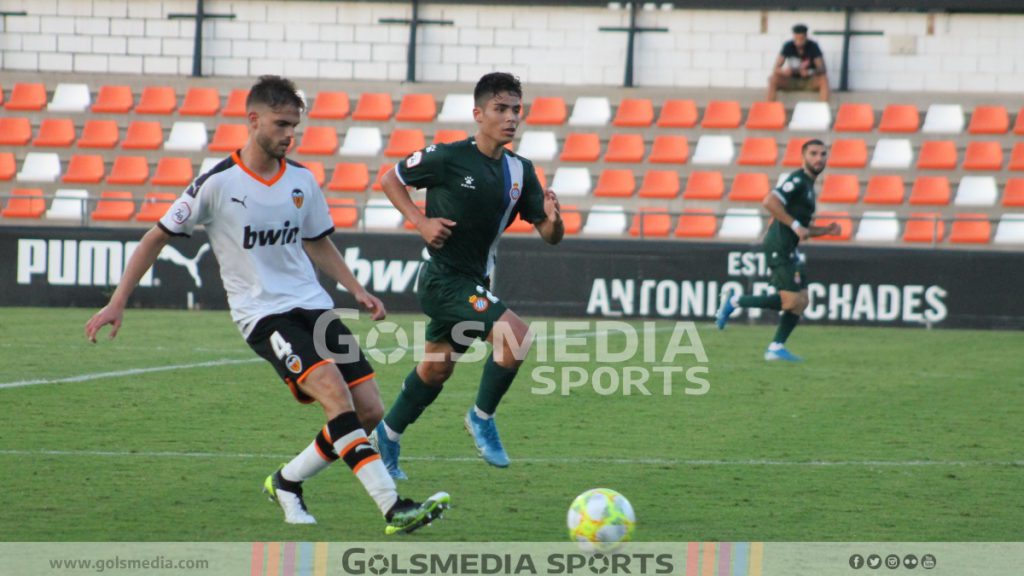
305	564
742	560
273	559
692	558
257	559
707	564
756	557
724	555
320	562
288	562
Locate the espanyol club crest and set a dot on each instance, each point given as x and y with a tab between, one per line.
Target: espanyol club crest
479	303
297	197
515	191
294	364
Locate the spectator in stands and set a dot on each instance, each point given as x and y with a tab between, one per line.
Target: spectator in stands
800	66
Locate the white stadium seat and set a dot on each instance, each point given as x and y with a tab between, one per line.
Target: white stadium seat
40	167
70	98
189	136
944	119
380	213
714	149
604	219
457	108
811	116
68	205
1010	229
892	153
878	227
571	181
976	191
741	224
538	145
591	111
362	141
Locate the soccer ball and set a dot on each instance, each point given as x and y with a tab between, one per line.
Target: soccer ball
601	519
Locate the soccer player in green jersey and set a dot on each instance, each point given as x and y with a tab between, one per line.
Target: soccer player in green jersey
475	189
791	205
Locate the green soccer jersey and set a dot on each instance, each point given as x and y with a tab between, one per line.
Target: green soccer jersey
480	194
797	195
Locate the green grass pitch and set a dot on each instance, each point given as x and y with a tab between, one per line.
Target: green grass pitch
881	435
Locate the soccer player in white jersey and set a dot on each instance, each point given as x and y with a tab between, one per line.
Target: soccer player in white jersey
266	218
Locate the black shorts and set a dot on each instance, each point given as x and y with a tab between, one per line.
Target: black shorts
287	341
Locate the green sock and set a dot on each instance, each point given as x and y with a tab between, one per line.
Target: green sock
787	322
494	382
771	301
411	402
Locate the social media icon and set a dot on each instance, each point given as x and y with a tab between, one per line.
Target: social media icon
874	561
892	561
928	562
910	561
856	561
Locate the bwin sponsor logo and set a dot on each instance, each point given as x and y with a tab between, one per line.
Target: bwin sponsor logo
285	235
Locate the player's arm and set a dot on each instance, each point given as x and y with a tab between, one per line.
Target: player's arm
141	261
779	61
777	209
551	229
326	257
819	66
433	230
830	230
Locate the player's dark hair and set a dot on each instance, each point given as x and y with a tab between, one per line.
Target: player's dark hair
274	91
809	143
490	85
800	29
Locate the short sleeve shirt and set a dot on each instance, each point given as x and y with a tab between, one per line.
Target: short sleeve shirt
796	192
795	59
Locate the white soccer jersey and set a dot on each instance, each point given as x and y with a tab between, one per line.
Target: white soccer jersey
256	228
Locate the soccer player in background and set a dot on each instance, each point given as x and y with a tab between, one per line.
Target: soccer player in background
267	220
475	189
791	205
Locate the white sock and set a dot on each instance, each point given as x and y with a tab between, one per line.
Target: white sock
481	414
776	346
307	464
369	470
392	435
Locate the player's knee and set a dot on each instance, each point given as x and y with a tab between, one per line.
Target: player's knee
436	373
800	304
370	416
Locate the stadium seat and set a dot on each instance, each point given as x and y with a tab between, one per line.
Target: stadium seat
581	147
349	177
154	206
894	153
1013	193
200	102
547	110
841	218
712	149
924	227
605	219
749	187
15	131
937	155
417	108
541	177
1018	126
696	223
591	111
840	189
885	189
627	148
422	205
766	116
704	186
662	184
970	229
362	141
330	106
1017	157
380	213
930	191
741	224
848	153
518	226
976	191
793	157
99	134
113	99
129	170
758	152
615	184
317	168
235	106
188	136
24	203
634	113
678	114
669	150
70	98
7	166
901	118
878	227
538	146
457	108
404	142
69	205
1010	229
39	167
172	171
156	100
143	135
811	116
944	119
571	181
55	133
651	222
983	156
344	212
114	207
378	185
448	136
84	169
571	219
374	106
318	140
722	114
229	137
853	117
27	96
989	120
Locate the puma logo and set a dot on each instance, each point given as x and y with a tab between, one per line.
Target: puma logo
242	201
171	254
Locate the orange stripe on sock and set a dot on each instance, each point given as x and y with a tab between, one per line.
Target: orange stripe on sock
313	367
359	381
352	445
327	434
359	466
322	455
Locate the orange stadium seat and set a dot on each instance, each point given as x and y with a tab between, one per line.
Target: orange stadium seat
541	177
84	169
572	219
417	108
235	106
330	106
766	116
749	187
1018	126
615	184
793	157
937	155
28	96
154	206
55	133
319	140
7	165
669	150
229	137
581	147
971	229
678	114
1016	157
854	118
1013	193
654	222
99	134
15	131
547	110
625	148
113	99
374	106
841	218
25	203
344	212
157	100
885	189
696	223
660	184
200	102
349	177
848	153
930	191
384	169
704	186
518	226
924	227
404	142
758	152
634	113
114	206
989	120
129	170
143	135
900	118
449	136
840	189
983	156
722	114
172	171
317	168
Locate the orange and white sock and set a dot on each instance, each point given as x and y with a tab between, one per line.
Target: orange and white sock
349	439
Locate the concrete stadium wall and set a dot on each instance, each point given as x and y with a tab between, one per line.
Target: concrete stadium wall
343	40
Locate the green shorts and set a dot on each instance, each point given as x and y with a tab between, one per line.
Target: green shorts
789	275
460	308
